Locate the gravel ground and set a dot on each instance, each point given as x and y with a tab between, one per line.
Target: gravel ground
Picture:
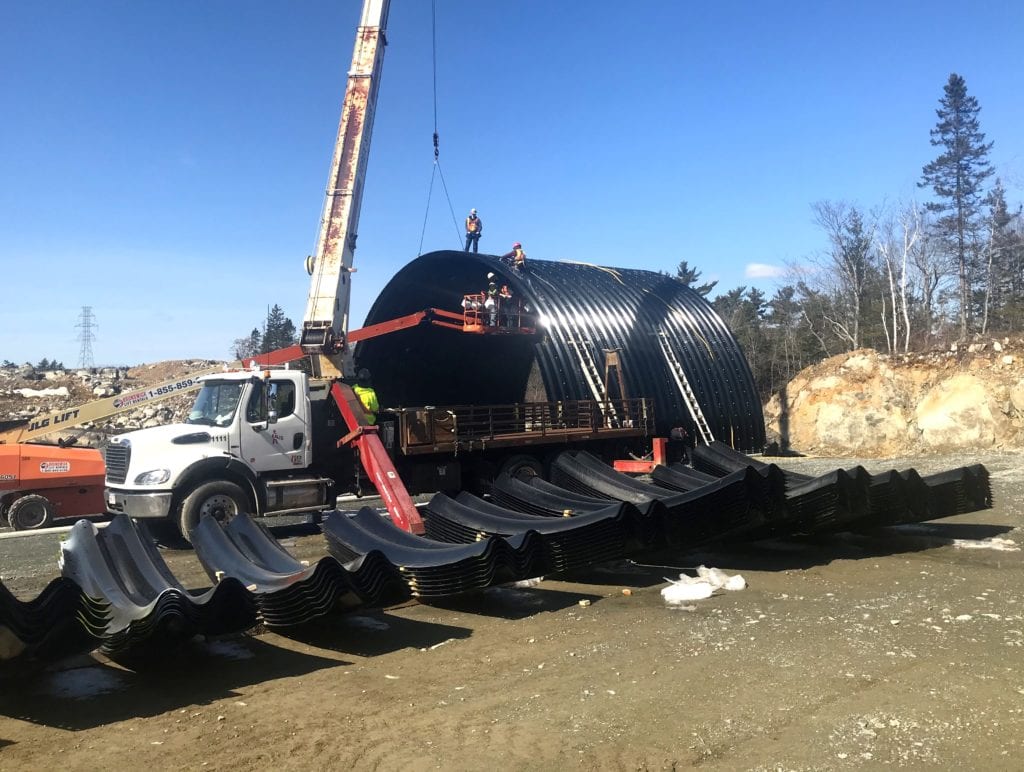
900	647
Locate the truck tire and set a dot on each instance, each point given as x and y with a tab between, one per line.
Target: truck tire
31	512
221	499
522	467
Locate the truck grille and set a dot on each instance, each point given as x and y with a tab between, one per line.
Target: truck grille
116	457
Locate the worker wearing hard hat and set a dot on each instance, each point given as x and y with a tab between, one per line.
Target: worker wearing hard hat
474	229
516	258
491	303
367	396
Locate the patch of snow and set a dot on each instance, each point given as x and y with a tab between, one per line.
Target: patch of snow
229	649
524	584
61	391
717	578
995	543
685	589
509	594
704	585
83	683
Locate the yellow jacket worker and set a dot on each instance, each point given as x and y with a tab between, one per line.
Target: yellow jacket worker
367	396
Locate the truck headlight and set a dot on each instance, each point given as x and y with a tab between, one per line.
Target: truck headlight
153	477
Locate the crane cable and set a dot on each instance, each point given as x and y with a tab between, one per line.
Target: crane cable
436	170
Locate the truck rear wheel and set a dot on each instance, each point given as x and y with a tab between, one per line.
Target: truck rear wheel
522	467
220	499
31	512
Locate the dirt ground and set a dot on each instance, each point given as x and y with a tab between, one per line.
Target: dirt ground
902	647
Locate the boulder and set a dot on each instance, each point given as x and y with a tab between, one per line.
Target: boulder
956	413
868	404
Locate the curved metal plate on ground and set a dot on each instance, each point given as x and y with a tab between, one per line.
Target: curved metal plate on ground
853	498
576	305
117	591
60	622
567	543
547	501
432	569
148	606
287	591
724	509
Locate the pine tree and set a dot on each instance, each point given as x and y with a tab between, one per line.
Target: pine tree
689	276
279	331
956	178
250	346
743	311
1004	255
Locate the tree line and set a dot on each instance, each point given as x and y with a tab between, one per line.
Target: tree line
278	332
899	278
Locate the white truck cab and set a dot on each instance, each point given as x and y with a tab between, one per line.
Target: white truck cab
245	447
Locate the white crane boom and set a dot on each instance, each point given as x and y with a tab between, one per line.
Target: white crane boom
325	326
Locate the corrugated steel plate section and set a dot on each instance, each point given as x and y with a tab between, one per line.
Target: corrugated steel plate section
579	305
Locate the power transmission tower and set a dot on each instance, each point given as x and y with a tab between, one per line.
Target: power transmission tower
87	323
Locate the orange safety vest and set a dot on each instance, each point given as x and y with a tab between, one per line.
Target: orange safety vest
472	224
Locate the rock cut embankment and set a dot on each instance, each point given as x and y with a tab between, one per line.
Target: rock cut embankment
870	404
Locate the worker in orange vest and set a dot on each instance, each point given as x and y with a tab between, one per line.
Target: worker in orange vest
474	229
516	258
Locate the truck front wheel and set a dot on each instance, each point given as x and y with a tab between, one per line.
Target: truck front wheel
31	512
220	499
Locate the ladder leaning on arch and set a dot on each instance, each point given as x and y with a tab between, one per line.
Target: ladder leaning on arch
591	373
679	375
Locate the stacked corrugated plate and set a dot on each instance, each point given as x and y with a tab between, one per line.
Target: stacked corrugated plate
60	622
764	492
432	569
534	495
287	591
721	510
148	606
854	498
567	543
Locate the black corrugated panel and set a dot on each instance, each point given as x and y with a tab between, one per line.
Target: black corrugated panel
577	305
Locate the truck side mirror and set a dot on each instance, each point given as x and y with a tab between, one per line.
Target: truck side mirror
271	416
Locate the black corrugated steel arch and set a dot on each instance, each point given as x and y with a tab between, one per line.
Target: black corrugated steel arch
602	308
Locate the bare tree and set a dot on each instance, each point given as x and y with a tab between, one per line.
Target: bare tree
847	268
933	270
897	238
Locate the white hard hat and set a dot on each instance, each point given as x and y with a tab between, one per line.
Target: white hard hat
472	211
490	276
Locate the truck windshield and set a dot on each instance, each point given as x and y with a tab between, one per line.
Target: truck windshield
216	403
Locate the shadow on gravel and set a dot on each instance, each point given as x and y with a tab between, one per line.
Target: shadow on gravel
620	573
100	693
810	551
510	602
371	633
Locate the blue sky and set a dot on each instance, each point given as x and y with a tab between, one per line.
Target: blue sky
164	163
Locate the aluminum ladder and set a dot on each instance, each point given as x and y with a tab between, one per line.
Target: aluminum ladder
692	405
591	372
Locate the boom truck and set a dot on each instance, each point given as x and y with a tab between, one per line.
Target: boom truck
276	441
41	481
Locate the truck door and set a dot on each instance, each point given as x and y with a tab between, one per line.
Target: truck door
270	445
